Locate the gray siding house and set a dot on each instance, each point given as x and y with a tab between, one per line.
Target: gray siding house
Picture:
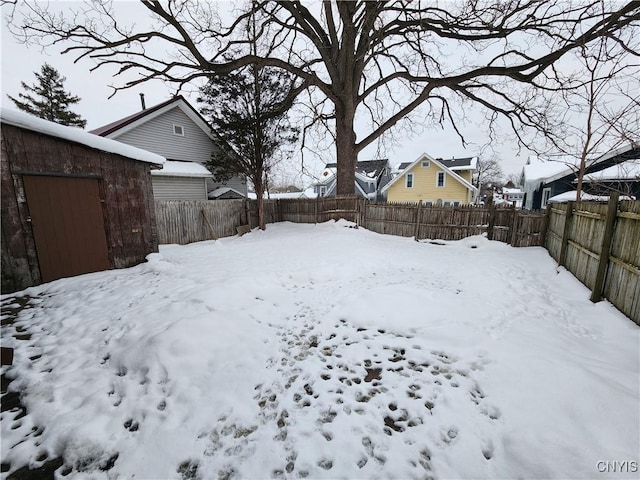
175	130
371	176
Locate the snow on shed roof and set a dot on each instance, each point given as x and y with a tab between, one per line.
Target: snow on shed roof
173	168
73	134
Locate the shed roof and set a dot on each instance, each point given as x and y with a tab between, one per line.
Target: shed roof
74	134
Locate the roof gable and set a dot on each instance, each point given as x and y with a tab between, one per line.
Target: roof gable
438	162
120	127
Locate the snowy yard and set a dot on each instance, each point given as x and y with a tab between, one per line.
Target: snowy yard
322	351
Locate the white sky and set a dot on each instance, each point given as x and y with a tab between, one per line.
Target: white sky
19	63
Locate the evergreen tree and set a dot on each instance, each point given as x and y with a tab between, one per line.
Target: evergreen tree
248	109
51	102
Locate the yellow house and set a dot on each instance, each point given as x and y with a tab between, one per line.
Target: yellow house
434	182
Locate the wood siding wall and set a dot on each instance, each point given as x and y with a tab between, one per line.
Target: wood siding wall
125	191
179	188
577	244
185	222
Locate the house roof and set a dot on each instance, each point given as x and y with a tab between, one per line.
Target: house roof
452	163
174	168
220	191
628	171
368	168
119	127
568	166
73	134
438	162
572	195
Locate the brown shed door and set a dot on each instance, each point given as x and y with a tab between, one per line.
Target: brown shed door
68	226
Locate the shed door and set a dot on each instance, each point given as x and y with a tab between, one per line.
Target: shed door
68	225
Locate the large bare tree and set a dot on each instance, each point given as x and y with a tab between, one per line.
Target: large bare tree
359	60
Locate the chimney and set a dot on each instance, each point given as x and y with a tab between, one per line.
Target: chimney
142	101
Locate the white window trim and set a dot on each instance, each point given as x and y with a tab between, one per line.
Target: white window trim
406	180
181	129
444	179
545	192
426	164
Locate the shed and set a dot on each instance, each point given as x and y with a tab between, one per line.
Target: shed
72	202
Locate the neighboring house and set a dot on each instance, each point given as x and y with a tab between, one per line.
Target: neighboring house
175	130
542	180
434	182
72	203
371	177
512	195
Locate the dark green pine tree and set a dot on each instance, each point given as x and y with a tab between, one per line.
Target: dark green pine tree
49	100
248	109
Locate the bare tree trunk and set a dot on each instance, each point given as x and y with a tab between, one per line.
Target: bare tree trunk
259	188
346	153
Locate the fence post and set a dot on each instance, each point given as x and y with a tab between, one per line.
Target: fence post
514	226
545	226
315	209
492	219
247	208
565	234
418	212
278	211
363	213
609	227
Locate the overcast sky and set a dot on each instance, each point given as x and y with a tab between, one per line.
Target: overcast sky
19	63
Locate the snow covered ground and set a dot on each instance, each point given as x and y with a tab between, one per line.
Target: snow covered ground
323	351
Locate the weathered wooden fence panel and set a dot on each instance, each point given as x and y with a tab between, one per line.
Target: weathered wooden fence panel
555	227
187	221
622	286
583	244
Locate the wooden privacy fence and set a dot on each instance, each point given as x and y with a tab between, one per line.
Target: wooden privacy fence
506	224
187	221
600	244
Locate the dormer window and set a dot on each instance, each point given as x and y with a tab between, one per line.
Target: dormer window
178	130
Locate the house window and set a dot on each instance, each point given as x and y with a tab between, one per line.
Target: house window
447	203
425	164
546	193
456	204
409	180
428	203
322	190
372	187
440	179
178	130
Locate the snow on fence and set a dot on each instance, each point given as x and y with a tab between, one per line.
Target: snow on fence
577	235
187	221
